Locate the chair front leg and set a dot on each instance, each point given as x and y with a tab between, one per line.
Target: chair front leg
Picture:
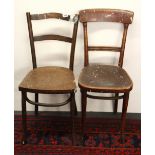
83	105
36	106
75	107
24	138
72	112
124	110
116	104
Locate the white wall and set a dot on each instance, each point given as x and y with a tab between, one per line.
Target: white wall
132	53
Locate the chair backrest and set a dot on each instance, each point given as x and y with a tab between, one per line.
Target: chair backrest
45	16
105	15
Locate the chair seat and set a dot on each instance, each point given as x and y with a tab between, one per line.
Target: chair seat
105	78
48	80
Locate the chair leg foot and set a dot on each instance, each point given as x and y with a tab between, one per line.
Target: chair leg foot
24	142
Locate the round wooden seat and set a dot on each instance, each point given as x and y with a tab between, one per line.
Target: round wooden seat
49	80
105	78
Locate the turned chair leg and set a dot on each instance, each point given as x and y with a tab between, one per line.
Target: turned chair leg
36	106
116	104
72	112
123	117
84	104
24	138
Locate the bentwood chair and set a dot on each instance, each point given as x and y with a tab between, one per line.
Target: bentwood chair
49	79
99	78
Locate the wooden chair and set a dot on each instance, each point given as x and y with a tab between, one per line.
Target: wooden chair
105	78
49	79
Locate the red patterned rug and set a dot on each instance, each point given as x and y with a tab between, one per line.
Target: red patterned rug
49	135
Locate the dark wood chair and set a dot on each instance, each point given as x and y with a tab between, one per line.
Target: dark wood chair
49	79
99	78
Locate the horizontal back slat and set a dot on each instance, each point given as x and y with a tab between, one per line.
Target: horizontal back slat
104	48
106	15
49	15
53	37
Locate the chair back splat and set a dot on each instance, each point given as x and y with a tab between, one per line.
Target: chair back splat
45	16
105	15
